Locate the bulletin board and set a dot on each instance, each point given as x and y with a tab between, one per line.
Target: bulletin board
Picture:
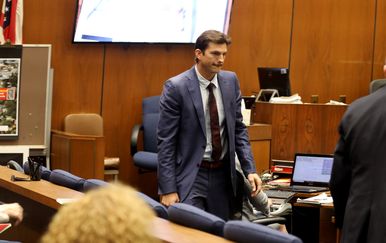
35	96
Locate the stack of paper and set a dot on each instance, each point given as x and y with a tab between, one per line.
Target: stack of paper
334	102
322	198
293	99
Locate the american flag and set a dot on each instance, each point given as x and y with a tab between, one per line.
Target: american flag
11	22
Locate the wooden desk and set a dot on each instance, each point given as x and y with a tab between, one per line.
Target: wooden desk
38	198
260	138
314	223
308	128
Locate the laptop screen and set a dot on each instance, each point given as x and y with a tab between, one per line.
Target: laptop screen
312	169
274	78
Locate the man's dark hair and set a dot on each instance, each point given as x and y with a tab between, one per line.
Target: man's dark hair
211	36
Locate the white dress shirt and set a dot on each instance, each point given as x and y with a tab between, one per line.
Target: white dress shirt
221	114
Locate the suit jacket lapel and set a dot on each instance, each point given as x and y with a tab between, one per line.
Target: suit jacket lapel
226	94
195	94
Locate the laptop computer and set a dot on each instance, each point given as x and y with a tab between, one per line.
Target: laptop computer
311	172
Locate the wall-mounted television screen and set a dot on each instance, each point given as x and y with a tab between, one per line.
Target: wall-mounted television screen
149	21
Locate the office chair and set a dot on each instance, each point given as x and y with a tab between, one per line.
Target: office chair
146	159
258	202
83	129
376	84
193	217
247	232
15	166
158	208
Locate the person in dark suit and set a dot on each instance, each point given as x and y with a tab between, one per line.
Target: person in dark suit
358	175
199	135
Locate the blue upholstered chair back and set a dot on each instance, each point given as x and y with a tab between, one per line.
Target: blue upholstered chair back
150	118
44	170
158	208
66	179
193	217
90	184
247	232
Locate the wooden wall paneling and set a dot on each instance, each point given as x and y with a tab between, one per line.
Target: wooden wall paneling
380	41
261	33
132	73
260	136
332	115
332	45
284	131
308	129
77	68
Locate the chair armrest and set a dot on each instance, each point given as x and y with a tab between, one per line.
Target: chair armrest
134	138
270	220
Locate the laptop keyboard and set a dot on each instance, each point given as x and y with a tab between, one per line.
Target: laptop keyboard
279	194
299	188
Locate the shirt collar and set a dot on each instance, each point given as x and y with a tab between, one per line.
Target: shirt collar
203	81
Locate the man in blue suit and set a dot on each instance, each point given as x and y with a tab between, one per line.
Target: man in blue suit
199	135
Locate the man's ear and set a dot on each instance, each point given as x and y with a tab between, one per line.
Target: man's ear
198	53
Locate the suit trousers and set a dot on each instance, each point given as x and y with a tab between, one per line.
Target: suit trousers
212	192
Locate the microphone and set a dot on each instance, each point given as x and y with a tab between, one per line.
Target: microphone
15	178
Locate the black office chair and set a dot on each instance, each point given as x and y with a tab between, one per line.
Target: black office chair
258	202
146	159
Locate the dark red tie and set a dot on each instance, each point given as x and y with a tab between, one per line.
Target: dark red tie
214	125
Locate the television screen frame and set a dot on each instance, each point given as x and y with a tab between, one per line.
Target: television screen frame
275	78
166	22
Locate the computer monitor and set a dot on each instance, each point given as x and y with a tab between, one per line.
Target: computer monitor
275	78
249	101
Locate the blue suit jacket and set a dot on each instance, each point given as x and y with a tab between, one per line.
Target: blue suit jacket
181	131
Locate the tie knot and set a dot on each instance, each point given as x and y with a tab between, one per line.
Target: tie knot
210	87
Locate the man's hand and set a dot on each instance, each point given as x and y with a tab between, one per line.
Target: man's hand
169	199
13	210
255	182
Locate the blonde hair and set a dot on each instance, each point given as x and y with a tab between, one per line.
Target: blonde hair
114	213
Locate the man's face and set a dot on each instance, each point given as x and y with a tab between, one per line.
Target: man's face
211	60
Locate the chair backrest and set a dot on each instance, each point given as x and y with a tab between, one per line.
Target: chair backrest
376	84
90	184
45	172
247	232
150	118
158	208
15	166
193	217
66	179
84	124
